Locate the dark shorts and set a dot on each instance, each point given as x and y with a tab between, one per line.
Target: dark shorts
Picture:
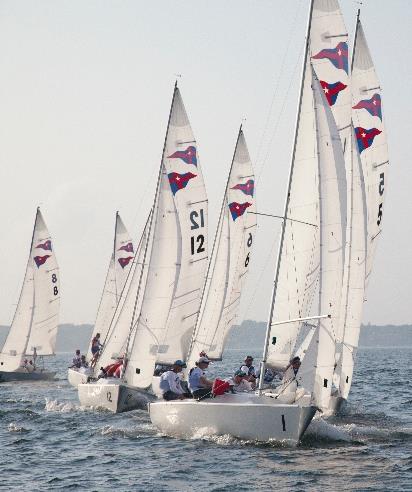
202	393
170	395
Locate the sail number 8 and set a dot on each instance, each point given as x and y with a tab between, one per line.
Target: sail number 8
54	280
197	221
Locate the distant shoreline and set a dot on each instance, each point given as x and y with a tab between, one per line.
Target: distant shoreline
70	337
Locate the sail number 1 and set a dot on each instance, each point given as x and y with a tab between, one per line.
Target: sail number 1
197	221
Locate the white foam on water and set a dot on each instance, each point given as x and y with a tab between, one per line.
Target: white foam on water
64	407
15	428
322	429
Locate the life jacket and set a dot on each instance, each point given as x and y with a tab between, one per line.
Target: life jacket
112	368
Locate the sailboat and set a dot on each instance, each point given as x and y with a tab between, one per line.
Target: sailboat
174	261
317	177
230	259
121	261
368	184
33	331
267	415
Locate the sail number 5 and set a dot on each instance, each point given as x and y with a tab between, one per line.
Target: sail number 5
197	221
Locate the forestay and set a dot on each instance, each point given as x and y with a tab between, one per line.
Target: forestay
178	256
35	322
318	365
230	258
119	267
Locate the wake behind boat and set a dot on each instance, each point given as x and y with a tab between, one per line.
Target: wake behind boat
33	331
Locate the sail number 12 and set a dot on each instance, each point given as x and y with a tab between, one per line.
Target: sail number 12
197	221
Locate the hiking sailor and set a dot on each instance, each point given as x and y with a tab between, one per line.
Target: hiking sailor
77	362
249	369
199	385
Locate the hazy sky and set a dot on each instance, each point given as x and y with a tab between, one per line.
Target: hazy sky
85	90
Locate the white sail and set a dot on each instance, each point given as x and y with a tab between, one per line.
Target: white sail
178	256
119	267
355	286
230	258
371	139
34	326
318	365
121	327
298	271
370	163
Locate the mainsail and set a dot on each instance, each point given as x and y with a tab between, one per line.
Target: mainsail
178	256
230	258
370	164
119	267
297	277
34	327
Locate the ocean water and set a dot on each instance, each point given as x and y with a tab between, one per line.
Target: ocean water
48	442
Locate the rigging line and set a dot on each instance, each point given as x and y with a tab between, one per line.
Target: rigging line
277	83
280	114
283	218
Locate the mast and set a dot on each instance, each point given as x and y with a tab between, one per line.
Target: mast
222	208
282	237
151	216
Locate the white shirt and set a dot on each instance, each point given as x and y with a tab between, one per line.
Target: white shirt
242	386
170	381
194	379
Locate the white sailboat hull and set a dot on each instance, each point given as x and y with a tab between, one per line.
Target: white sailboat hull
23	375
78	376
246	416
112	394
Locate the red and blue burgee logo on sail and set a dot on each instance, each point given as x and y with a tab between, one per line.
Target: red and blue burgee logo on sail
332	90
337	56
248	188
238	209
188	155
127	247
372	105
46	245
40	260
125	261
178	181
365	137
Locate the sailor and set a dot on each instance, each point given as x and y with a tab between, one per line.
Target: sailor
241	383
96	347
249	369
77	361
170	382
199	385
291	370
112	370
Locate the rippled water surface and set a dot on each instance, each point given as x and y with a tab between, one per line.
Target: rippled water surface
48	442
